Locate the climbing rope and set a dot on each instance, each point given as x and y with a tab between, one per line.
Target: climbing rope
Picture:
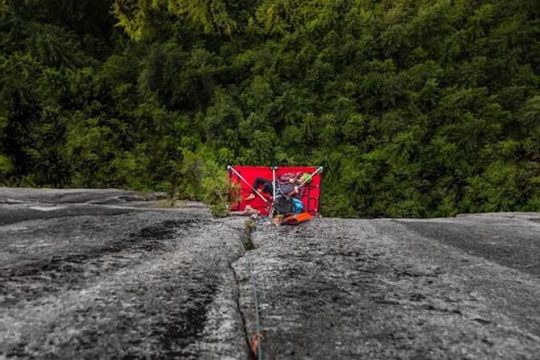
257	337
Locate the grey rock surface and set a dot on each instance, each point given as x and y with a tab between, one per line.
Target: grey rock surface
462	288
80	281
88	274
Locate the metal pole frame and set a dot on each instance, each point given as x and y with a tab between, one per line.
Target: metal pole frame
319	169
274	168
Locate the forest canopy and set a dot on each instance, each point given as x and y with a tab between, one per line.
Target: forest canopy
415	108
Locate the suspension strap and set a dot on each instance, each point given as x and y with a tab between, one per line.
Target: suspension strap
271	213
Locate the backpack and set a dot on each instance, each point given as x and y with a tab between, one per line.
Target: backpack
284	205
288	205
296	219
298	206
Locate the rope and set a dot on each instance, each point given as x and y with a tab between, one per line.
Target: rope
257	337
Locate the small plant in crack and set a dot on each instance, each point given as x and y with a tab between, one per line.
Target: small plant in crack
249	227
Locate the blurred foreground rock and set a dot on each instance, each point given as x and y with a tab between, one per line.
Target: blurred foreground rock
87	274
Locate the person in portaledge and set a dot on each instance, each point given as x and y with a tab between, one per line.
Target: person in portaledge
288	184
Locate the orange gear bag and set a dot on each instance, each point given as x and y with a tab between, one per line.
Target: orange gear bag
297	219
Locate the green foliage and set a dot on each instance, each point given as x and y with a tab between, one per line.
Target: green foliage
414	108
217	189
3	7
5	165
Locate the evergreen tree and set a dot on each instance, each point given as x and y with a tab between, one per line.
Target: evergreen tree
414	107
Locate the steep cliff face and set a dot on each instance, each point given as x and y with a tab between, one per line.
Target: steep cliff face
108	274
380	289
